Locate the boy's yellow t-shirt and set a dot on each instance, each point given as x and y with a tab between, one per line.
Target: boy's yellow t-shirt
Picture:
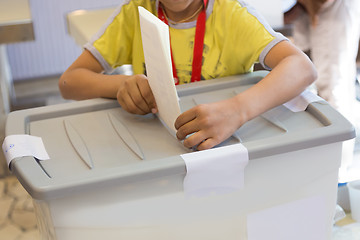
236	37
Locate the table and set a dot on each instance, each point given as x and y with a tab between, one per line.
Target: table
15	26
83	24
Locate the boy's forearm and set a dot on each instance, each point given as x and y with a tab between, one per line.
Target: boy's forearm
81	83
287	80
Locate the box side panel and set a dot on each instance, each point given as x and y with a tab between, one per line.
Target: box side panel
269	182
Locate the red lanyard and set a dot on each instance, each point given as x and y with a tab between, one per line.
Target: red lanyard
198	45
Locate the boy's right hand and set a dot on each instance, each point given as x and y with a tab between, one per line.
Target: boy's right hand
135	95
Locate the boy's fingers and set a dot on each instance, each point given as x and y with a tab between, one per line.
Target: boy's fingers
184	118
194	140
132	107
187	129
138	99
207	144
128	104
146	93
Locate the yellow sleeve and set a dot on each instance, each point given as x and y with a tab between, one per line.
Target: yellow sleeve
118	42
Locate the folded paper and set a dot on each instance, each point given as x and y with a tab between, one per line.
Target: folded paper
15	146
301	102
217	170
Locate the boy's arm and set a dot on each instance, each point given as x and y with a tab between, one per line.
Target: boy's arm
213	123
292	71
84	80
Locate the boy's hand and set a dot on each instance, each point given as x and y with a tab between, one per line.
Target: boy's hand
135	95
210	124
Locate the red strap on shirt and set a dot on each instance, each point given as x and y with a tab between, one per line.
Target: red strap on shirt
198	44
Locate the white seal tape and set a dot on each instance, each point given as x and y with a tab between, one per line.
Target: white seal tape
301	102
217	170
15	146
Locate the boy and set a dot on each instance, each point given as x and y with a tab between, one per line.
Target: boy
234	38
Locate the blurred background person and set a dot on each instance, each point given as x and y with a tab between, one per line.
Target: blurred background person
329	30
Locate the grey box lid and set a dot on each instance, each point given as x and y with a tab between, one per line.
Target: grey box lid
96	143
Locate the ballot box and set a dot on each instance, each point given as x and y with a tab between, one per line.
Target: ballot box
115	175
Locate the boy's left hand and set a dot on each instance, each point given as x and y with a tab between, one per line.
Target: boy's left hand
209	124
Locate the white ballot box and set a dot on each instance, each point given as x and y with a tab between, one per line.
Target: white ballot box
114	175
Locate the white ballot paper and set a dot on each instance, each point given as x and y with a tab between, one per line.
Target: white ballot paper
22	145
216	170
156	45
301	102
